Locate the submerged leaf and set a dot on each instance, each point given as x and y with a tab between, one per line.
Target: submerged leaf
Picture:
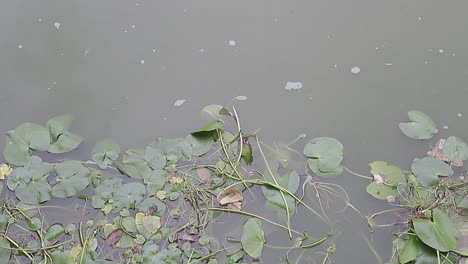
273	196
54	231
427	170
253	237
440	233
420	126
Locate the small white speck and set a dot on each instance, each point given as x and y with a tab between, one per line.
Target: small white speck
377	48
419	18
179	102
133	26
54	83
459	115
126	97
137	4
57	25
453	54
114	108
241	98
293	86
276	20
335	66
425	62
388	64
49	88
40	19
445	127
155	51
355	70
125	31
142	61
20	46
232	43
165	118
201	50
441	51
86	52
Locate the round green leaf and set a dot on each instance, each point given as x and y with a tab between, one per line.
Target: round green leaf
58	125
328	152
36	136
135	163
16	150
54	231
34	224
154	158
440	233
66	142
200	144
427	170
253	237
455	149
5	251
409	251
151	223
72	178
420	126
314	163
30	182
105	152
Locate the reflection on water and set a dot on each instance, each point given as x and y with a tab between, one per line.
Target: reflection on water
137	70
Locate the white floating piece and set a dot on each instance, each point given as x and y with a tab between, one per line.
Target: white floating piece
179	102
355	70
293	86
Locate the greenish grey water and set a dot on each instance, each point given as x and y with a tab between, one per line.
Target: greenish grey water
119	66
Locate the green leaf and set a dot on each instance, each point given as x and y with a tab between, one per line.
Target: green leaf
200	144
273	196
30	182
154	158
420	126
113	193
409	251
72	178
135	163
105	152
327	151
440	233
151	223
23	139
427	170
61	257
66	142
58	125
247	153
54	231
253	238
387	179
5	251
34	224
155	181
213	125
455	149
313	165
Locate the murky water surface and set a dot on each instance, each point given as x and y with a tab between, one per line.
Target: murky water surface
134	70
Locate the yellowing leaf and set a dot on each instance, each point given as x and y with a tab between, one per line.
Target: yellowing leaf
5	170
232	199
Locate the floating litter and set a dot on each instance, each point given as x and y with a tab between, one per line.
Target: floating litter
179	102
293	86
355	70
232	43
57	25
241	98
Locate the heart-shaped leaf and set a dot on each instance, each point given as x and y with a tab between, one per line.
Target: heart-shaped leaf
105	152
253	237
30	182
455	149
420	126
440	233
72	178
427	170
273	196
328	152
23	139
63	139
54	231
387	179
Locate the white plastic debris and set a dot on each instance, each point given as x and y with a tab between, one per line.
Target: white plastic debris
459	115
142	61
293	86
355	70
179	102
241	98
232	43
57	25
